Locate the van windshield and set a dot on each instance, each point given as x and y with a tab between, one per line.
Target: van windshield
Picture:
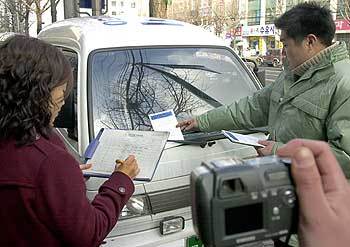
127	85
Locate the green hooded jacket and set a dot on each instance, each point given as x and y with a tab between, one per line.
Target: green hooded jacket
315	106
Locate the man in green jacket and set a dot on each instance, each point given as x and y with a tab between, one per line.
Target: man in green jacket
310	98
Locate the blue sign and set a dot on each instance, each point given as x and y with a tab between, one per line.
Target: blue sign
87	4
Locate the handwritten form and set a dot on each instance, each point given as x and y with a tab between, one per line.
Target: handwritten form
147	146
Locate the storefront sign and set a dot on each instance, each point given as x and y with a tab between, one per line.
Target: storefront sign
234	32
237	31
259	30
342	25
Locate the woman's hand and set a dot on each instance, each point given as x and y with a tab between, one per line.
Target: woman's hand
85	166
128	166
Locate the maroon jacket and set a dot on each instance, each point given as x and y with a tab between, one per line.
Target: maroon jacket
44	202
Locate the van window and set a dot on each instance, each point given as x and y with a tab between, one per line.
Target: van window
71	135
127	85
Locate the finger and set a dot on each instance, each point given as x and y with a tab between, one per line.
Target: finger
259	151
264	142
312	200
332	176
117	165
180	124
137	172
85	166
288	149
130	158
118	161
134	173
188	127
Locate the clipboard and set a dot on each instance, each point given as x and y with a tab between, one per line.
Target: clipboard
242	139
112	144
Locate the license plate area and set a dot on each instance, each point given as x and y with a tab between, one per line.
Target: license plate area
194	241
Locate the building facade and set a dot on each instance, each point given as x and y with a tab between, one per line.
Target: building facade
128	8
114	8
259	33
248	25
342	26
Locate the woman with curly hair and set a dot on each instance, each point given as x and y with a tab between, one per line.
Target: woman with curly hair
42	189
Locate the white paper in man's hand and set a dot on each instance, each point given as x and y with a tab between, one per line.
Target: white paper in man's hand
242	139
166	121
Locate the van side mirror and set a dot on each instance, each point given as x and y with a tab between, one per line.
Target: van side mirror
66	117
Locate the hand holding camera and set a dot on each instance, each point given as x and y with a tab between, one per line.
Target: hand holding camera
240	202
235	203
323	193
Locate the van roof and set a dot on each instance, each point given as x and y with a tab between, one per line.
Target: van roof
104	32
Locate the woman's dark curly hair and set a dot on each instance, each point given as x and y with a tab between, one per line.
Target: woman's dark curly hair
29	70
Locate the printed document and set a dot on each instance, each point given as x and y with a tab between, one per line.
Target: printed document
166	121
147	146
242	139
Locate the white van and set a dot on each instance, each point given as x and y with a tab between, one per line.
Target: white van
126	69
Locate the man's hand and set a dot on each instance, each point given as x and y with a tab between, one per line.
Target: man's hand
190	124
267	150
323	193
129	166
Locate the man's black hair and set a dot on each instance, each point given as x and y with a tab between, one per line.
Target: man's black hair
307	18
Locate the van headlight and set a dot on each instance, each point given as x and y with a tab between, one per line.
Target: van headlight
136	206
172	224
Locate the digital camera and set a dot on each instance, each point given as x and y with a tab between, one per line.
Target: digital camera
239	202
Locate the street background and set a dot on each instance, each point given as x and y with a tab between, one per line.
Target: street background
246	25
271	73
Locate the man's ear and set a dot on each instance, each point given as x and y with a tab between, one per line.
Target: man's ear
311	40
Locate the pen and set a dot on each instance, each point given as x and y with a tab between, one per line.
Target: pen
118	161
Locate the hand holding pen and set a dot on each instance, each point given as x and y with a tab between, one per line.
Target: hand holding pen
128	166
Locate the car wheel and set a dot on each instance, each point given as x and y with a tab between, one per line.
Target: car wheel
275	63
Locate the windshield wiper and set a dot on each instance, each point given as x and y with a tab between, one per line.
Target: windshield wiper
201	143
199	93
184	66
204	136
217	135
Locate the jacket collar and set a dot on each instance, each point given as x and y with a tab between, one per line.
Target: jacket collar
334	54
324	58
313	61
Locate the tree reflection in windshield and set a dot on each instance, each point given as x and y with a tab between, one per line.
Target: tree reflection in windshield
128	84
139	90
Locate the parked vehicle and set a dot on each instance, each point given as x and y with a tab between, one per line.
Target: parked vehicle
256	58
126	69
273	57
254	66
